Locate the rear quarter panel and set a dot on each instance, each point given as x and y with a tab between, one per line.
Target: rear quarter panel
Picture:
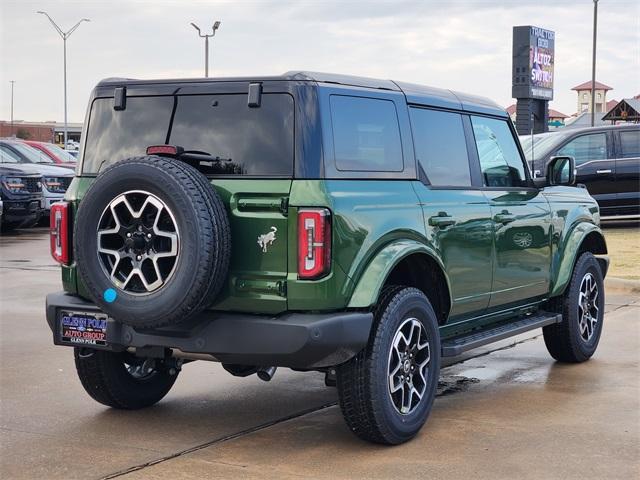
367	215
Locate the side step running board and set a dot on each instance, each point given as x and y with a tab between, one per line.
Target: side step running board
457	345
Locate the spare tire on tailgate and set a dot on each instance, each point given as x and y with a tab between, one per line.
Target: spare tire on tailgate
152	241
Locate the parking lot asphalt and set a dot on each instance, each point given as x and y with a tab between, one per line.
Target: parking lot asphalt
506	411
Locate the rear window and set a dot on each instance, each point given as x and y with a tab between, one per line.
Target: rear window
247	141
366	134
630	144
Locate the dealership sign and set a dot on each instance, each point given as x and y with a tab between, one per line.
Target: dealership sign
533	58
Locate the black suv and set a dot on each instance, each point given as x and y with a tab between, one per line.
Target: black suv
21	195
607	163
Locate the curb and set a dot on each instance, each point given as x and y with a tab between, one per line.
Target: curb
622	285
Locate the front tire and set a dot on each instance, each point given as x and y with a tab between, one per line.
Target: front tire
387	390
121	380
576	338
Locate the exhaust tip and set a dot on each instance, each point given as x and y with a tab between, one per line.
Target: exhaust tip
266	373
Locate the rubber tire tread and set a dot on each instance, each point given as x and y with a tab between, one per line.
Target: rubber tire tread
223	227
215	245
105	378
357	400
561	340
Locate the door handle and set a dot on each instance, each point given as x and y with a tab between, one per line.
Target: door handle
441	220
601	172
504	218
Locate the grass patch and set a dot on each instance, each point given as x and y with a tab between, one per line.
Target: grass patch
623	244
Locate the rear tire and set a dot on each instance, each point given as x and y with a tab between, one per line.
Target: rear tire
120	380
387	390
576	338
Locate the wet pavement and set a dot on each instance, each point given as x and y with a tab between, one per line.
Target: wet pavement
504	411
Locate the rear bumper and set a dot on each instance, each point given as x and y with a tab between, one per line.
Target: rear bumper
297	340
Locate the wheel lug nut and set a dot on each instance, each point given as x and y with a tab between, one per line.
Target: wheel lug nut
148	235
128	234
139	257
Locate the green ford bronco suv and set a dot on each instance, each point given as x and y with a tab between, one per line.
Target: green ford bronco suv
358	227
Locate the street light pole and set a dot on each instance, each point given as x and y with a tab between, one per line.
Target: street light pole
593	63
64	36
12	82
216	25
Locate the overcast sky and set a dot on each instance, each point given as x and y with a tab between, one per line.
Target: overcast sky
462	45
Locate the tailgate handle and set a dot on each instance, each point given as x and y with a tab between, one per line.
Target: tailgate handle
281	204
266	203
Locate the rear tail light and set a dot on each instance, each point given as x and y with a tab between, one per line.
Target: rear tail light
314	243
59	233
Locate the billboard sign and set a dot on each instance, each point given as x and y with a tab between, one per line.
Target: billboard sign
533	59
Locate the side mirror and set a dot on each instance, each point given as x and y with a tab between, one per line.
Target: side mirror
561	170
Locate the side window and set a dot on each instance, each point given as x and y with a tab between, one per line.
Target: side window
630	144
586	148
440	146
7	156
500	160
366	134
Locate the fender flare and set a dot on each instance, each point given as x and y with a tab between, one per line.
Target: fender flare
562	266
375	274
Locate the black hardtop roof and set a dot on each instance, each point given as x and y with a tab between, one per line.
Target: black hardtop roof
620	126
415	94
569	131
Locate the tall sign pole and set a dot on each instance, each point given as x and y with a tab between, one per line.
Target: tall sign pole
206	37
593	63
12	82
532	77
64	36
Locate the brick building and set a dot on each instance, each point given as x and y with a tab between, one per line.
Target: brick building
41	131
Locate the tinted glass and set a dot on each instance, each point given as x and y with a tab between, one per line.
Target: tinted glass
440	146
115	135
630	144
251	141
7	156
366	134
543	144
247	141
500	160
60	153
30	154
586	148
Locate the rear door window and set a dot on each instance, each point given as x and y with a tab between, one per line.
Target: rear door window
441	147
630	144
586	148
366	134
240	140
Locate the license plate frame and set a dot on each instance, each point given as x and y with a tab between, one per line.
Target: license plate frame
83	328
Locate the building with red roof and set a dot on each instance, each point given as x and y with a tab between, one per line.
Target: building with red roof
584	97
556	118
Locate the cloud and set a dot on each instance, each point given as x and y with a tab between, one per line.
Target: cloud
463	45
